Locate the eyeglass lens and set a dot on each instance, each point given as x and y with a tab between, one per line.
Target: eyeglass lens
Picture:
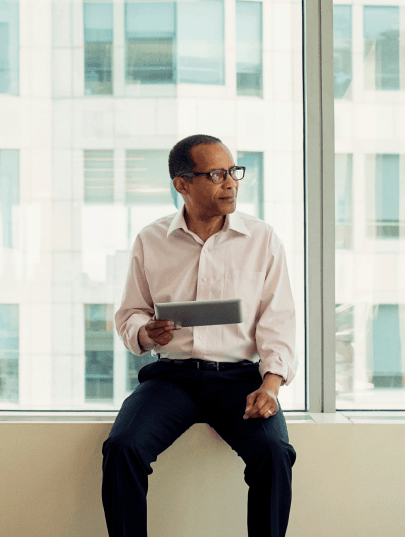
236	174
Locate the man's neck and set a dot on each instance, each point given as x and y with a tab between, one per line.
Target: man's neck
202	229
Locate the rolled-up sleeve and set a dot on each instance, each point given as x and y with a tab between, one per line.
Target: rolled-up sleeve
276	327
136	306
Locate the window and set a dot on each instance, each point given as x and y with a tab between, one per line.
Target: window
9	194
200	30
369	208
150	42
98	175
342	51
98	48
9	352
343	200
99	345
383	196
384	356
249	48
9	47
250	194
344	348
381	47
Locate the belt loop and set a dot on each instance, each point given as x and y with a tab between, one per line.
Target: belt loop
198	365
217	366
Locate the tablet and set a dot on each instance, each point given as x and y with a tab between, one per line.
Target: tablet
201	313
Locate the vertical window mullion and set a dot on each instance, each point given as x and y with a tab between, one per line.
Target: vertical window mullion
319	205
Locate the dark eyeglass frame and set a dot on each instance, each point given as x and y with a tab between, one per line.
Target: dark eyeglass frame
192	174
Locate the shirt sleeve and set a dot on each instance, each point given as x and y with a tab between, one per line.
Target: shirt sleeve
137	305
275	330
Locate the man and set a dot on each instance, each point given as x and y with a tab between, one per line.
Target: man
205	374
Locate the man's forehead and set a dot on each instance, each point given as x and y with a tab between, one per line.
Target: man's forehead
206	153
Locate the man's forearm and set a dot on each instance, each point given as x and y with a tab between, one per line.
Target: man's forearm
144	341
272	382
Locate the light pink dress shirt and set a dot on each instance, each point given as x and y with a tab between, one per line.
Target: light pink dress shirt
245	259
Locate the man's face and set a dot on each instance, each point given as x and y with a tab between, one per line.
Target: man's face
204	198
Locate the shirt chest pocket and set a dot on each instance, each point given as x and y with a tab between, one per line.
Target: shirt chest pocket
244	284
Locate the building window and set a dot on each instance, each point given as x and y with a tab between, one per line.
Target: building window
344	330
99	349
381	47
98	48
9	48
134	365
382	196
343	200
9	352
384	350
250	191
150	43
200	34
147	173
249	48
9	192
342	51
98	175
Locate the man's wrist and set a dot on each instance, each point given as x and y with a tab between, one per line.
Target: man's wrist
144	341
272	382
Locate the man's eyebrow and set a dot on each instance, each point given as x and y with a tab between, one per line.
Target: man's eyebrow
213	169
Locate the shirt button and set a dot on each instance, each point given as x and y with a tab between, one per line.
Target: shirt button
204	279
199	337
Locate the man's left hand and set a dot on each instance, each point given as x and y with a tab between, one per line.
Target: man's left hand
259	402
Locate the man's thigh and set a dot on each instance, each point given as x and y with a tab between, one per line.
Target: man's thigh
153	417
253	437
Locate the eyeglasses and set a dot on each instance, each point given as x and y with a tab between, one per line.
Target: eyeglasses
219	176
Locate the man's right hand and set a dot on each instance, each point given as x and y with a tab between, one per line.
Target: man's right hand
160	331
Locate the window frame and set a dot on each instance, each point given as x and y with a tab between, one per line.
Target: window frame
319	206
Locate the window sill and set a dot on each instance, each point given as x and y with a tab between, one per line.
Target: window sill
344	417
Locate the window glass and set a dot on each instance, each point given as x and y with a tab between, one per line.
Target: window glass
384	348
249	48
9	195
9	352
9	47
343	200
383	196
150	42
99	348
369	209
98	175
250	192
381	47
342	51
98	48
200	42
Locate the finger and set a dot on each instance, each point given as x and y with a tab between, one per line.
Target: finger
256	411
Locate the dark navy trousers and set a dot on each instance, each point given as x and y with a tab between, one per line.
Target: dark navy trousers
169	400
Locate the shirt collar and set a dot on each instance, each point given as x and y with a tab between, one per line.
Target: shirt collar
232	221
